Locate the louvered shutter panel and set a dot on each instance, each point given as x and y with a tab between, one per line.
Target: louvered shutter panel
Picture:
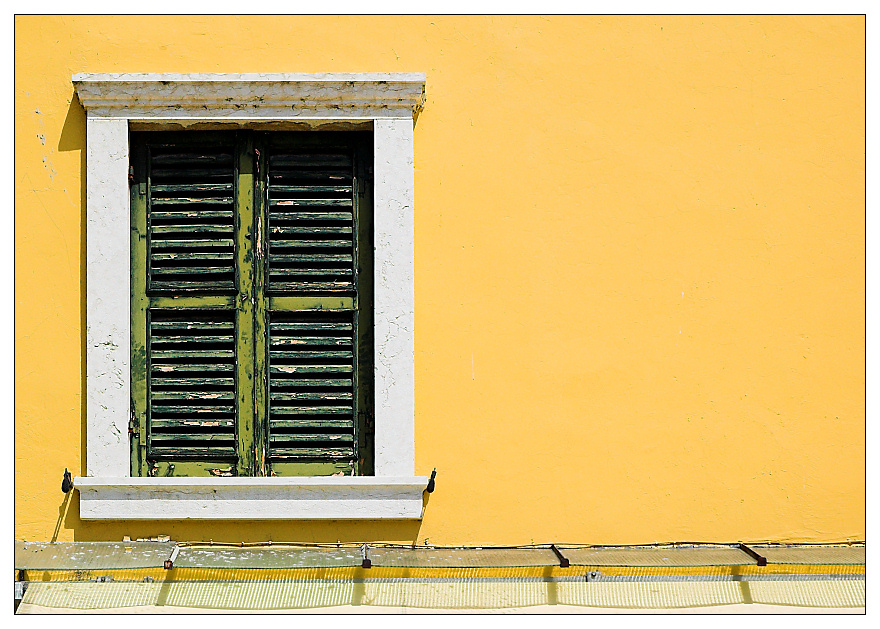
190	220
192	384
251	304
186	319
313	199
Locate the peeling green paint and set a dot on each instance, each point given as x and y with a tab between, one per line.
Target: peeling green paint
189	261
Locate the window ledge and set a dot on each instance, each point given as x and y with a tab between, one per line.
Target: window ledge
295	498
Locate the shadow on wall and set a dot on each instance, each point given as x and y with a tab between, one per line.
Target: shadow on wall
73	138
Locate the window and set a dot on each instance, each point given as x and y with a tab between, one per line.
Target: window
252	308
119	107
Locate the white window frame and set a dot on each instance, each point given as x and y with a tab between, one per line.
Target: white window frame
389	102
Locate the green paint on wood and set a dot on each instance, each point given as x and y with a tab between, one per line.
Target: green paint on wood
138	428
251	304
247	239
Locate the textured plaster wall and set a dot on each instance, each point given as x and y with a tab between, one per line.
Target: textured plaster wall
639	263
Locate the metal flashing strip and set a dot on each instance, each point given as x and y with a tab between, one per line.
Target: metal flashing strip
228	558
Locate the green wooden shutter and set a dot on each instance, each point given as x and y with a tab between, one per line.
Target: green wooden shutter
319	304
191	312
251	304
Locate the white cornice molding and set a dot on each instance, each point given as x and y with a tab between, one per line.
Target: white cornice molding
146	96
292	498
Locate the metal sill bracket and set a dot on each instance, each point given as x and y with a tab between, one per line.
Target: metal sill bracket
563	560
365	563
762	561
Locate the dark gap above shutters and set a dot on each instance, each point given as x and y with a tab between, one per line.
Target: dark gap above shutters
311	385
192	384
311	223
190	220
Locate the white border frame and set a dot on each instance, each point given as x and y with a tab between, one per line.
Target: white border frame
112	101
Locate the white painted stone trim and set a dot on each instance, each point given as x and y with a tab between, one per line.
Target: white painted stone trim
108	299
389	100
254	96
338	498
394	296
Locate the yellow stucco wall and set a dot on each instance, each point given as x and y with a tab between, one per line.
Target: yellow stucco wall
640	268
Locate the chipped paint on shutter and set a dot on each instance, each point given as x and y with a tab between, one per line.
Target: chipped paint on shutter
313	404
250	296
185	304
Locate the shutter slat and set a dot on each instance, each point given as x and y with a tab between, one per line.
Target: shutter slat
176	337
182	215
281	219
184	158
323	396
310	410
204	267
302	369
212	243
194	452
312	422
194	423
335	452
281	342
222	257
310	160
276	242
313	258
276	204
323	287
280	326
163	395
285	230
159	189
161	439
307	355
329	190
191	200
180	369
225	231
317	382
281	274
200	411
309	437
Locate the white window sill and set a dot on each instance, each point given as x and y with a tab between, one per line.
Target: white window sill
296	498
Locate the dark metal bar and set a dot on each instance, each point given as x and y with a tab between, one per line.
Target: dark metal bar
430	487
762	561
563	560
169	563
366	563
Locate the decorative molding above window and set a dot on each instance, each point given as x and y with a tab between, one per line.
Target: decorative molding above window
389	103
277	96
